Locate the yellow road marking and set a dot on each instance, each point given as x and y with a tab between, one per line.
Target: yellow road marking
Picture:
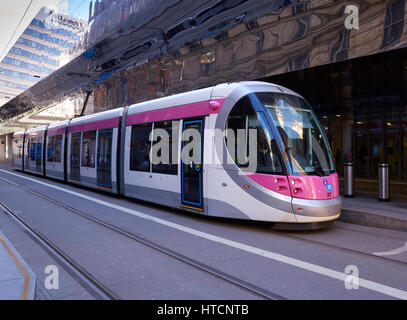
26	285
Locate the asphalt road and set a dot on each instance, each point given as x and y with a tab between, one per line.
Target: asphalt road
294	265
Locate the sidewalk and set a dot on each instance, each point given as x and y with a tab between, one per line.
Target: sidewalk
17	280
367	210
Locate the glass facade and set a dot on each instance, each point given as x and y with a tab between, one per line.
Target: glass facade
362	105
129	51
39	51
33	56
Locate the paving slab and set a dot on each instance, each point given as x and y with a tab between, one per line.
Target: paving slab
17	280
368	211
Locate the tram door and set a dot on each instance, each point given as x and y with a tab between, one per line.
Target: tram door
104	164
191	164
75	156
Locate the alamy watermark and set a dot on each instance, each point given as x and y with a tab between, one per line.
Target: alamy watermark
51	282
242	147
352	280
352	18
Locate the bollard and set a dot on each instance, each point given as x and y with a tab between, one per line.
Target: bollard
384	192
349	181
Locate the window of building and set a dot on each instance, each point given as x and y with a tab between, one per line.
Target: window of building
140	147
165	147
88	149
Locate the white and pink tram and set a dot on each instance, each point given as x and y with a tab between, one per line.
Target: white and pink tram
292	183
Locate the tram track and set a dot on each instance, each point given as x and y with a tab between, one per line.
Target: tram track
104	291
87	281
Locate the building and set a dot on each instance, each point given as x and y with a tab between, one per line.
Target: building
41	49
362	105
46	45
348	59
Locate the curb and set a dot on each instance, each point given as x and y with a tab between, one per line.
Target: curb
373	220
30	278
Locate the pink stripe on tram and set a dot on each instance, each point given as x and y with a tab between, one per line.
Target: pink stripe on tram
275	183
56	131
315	187
36	134
103	124
185	111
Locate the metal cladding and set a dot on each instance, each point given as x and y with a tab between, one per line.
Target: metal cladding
134	51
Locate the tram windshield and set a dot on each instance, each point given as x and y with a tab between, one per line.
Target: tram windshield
302	135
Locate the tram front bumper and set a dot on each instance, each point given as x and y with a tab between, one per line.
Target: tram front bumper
323	209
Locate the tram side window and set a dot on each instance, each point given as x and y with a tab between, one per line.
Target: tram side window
140	147
33	146
54	148
38	150
58	148
88	149
51	149
17	148
241	121
165	147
